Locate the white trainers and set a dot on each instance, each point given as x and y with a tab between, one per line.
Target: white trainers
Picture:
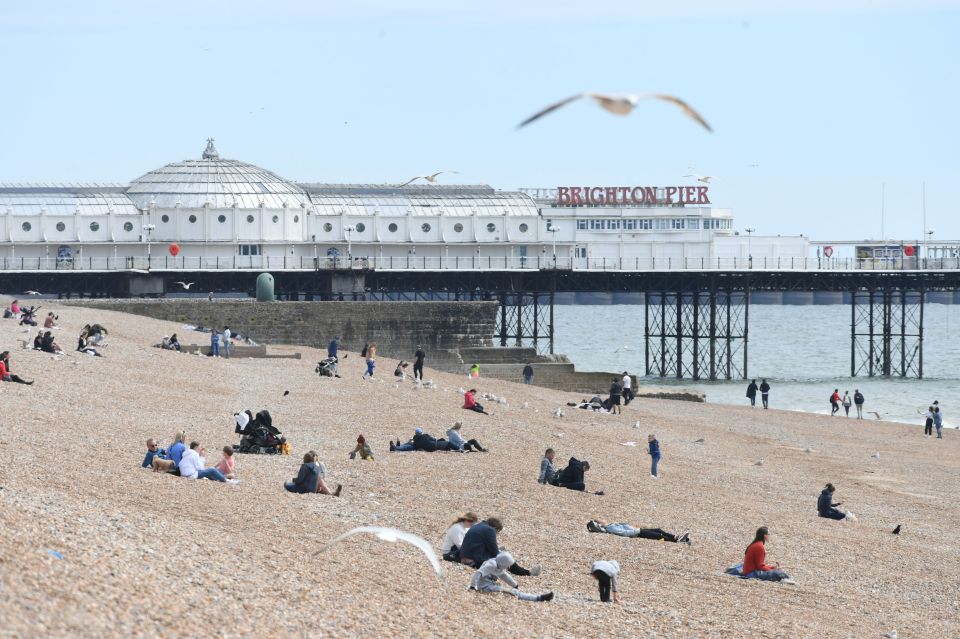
654	477
233	481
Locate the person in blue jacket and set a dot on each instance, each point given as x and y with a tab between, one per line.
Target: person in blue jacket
480	544
153	450
653	448
333	347
826	507
175	453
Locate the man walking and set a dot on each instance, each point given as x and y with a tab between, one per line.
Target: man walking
333	347
858	402
752	392
765	394
418	358
628	395
835	402
528	374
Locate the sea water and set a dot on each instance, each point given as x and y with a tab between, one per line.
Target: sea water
802	351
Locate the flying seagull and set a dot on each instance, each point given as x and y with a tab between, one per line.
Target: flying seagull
620	105
32	292
393	535
429	178
701	178
186	285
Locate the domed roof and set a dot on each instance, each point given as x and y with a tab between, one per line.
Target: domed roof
217	183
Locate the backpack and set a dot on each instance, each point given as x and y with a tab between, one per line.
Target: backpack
363	353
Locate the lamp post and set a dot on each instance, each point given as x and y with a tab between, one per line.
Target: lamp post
348	230
926	248
553	230
749	252
148	229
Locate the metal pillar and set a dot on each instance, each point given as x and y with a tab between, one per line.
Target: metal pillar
526	319
681	331
894	344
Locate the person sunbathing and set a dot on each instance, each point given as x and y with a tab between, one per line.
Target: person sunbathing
624	529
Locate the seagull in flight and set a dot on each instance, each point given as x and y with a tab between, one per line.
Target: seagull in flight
620	105
432	178
623	348
393	535
186	285
701	178
32	292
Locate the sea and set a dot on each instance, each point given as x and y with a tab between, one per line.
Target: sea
802	351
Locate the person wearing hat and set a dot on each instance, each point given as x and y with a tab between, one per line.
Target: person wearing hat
362	448
455	534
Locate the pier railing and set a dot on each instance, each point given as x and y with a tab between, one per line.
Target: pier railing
471	263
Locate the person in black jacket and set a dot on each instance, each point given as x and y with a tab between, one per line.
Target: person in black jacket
858	402
421	441
826	507
480	544
616	390
306	480
752	392
765	393
572	476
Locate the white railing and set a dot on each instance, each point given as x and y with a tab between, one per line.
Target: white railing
472	263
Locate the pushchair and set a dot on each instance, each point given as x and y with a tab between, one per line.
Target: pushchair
261	437
327	367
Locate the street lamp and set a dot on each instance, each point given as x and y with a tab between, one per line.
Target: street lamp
749	252
348	230
926	248
554	230
148	229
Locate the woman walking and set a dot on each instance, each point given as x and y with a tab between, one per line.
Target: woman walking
847	403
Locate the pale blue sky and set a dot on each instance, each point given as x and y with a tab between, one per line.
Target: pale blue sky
828	99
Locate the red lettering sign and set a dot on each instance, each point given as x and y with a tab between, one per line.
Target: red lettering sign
627	195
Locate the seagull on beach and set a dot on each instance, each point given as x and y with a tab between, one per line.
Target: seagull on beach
393	535
186	285
558	413
873	412
620	105
432	178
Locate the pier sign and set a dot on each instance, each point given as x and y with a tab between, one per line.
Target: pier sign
631	195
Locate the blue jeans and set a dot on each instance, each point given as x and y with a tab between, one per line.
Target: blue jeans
226	348
527	380
653	465
211	473
768	575
403	448
370	365
939	431
215	348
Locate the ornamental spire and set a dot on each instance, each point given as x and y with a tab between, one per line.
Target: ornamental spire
210	153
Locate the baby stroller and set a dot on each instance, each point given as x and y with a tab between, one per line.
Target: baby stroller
328	367
261	437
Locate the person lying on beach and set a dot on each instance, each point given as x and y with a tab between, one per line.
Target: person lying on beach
624	529
480	544
494	569
362	448
456	442
470	402
827	509
607	573
153	450
95	332
421	441
453	538
755	557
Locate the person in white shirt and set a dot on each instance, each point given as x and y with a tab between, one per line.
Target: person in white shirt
485	579
455	534
628	395
607	573
192	466
227	346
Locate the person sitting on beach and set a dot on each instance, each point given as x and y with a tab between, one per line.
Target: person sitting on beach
453	538
548	474
175	452
306	480
192	465
153	450
421	441
827	509
6	375
165	343
15	308
362	448
227	464
38	341
95	332
50	321
175	343
607	573
480	544
754	560
494	569
572	476
459	444
48	345
624	529
401	370
470	402
83	346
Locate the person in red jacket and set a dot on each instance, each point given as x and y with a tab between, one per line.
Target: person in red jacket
5	373
835	402
470	402
754	566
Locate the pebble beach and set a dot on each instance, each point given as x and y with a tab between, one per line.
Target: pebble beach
94	546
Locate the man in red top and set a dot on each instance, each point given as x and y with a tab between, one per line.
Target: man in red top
470	402
835	402
755	556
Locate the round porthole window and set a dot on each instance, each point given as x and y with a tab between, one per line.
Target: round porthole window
361	227
221	218
250	219
328	227
276	218
491	227
26	226
128	226
94	226
524	228
61	227
425	228
296	218
164	218
392	228
458	227
192	219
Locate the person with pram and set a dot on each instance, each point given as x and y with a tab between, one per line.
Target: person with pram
328	367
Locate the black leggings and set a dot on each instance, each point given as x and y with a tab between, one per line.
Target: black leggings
418	371
604	580
656	534
516	569
928	427
471	444
477	408
16	378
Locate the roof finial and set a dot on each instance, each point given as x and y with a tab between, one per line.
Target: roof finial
210	153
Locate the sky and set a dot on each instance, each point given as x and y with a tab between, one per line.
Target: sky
830	118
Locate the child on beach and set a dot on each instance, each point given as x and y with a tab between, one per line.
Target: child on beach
492	570
607	573
362	448
226	465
